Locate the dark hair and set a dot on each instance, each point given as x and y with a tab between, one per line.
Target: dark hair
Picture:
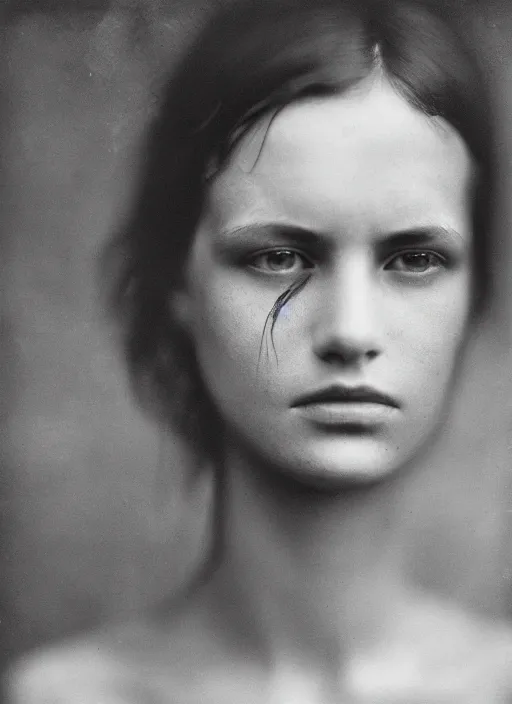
251	60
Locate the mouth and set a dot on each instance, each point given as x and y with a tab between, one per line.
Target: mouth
347	407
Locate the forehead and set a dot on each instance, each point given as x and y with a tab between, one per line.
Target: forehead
366	157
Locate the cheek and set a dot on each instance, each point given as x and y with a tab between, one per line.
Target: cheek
430	333
229	328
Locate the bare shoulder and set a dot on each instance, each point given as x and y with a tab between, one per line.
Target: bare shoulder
130	663
439	653
435	653
447	632
85	669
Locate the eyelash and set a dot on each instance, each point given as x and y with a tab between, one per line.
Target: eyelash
438	259
285	251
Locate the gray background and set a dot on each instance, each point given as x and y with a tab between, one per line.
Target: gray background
97	519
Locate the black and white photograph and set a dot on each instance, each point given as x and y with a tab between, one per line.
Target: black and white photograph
256	342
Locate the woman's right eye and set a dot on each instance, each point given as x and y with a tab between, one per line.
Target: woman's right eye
280	261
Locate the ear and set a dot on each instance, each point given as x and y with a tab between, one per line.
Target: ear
181	309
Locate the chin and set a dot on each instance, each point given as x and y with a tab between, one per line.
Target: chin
354	462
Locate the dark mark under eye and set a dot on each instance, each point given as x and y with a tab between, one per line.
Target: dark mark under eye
281	301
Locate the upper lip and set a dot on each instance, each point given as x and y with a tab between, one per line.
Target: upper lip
342	393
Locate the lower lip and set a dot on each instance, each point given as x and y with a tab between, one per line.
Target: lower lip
354	413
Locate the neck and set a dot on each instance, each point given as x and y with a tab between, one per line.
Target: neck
315	574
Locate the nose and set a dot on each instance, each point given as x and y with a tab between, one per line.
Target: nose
346	323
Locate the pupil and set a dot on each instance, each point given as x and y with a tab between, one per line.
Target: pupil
419	261
282	258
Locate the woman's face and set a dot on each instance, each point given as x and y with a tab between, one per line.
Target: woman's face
363	203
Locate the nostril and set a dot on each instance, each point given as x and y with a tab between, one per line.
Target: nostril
348	355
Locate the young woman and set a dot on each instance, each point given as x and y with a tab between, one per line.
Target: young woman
306	259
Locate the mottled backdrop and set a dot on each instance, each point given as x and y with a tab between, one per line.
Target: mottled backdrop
96	517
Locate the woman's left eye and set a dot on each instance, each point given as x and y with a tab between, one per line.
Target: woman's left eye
280	261
416	262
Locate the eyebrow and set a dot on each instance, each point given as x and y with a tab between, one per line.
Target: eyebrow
293	233
428	234
412	236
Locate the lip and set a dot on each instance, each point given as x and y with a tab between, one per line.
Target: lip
340	393
341	405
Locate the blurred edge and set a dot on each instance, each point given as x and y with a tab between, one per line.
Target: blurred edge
16	7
